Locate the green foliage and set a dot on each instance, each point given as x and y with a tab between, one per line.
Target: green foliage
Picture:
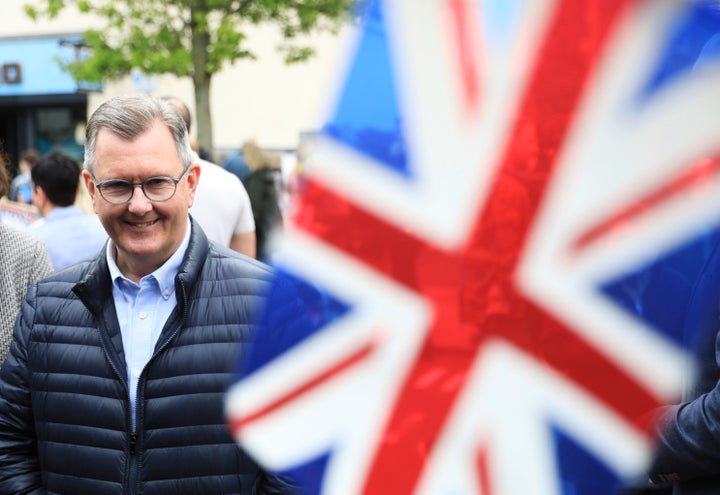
187	38
293	54
160	36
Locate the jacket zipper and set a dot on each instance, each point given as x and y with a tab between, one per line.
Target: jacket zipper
135	452
133	443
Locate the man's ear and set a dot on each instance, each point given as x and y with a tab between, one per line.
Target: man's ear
91	189
89	184
193	179
39	198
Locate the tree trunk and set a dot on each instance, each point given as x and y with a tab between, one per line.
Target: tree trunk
202	113
201	79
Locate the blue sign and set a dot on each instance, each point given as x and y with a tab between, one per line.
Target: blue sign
31	66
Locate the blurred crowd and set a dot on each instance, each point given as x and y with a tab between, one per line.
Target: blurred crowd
242	198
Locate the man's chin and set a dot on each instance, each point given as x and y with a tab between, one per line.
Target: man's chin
141	250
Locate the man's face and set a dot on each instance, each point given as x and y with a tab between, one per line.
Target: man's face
145	233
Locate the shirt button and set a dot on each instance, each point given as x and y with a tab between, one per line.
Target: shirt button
142	315
166	292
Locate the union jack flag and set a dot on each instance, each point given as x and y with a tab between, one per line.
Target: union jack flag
495	240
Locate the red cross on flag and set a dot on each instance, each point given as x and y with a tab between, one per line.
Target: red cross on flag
497	231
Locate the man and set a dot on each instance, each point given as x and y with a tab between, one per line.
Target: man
222	206
116	376
261	185
688	455
24	260
69	234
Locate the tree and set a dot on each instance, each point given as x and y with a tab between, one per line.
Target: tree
188	38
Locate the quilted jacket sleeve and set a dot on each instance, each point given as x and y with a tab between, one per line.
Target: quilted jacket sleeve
689	436
19	467
689	432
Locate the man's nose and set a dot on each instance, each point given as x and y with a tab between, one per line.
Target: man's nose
139	203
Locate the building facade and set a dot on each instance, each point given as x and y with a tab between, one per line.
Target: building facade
42	107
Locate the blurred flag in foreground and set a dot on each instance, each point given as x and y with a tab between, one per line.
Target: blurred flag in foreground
498	232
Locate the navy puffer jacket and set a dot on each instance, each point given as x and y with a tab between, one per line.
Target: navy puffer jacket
65	385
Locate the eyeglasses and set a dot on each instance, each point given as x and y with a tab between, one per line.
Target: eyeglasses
156	189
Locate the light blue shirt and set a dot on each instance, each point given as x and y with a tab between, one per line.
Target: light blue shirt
142	311
70	235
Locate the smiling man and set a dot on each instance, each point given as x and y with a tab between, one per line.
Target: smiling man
118	367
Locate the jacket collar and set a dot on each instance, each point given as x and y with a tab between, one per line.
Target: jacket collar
95	290
96	287
193	262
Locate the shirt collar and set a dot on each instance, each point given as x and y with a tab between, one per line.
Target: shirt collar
60	212
164	275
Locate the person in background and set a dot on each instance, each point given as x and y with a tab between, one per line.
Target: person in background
222	206
116	378
688	454
687	457
20	187
17	215
24	260
13	213
235	163
262	187
69	234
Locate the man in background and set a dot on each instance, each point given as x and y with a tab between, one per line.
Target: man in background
688	453
222	205
24	260
69	234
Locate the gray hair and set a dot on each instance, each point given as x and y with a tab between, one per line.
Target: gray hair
131	116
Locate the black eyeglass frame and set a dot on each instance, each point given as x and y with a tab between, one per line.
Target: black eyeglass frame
133	185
